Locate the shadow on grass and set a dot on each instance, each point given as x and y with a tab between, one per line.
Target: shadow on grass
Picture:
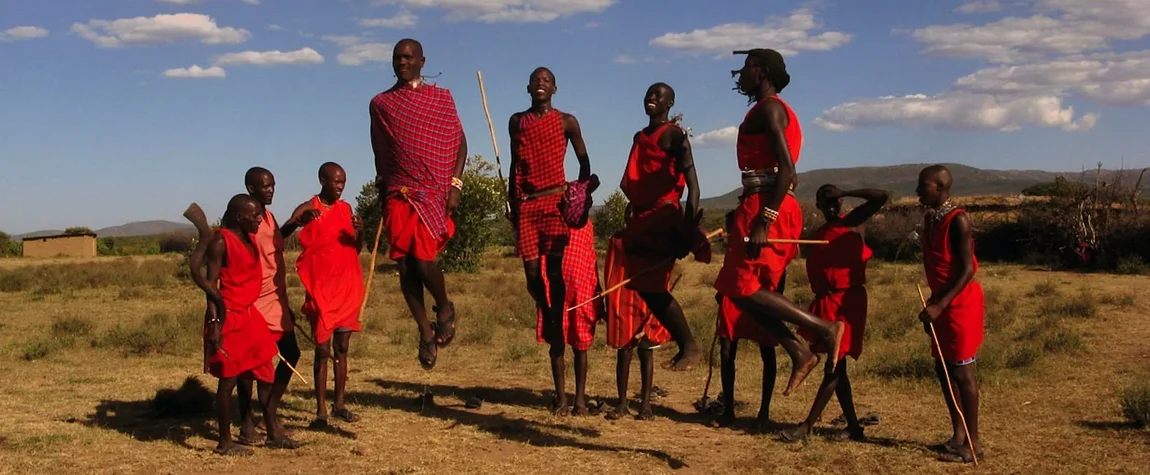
538	434
140	421
1112	425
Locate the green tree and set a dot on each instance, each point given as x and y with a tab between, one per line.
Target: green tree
78	230
611	218
367	207
6	244
480	207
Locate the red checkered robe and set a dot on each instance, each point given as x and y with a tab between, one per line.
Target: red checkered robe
581	274
541	148
625	309
416	134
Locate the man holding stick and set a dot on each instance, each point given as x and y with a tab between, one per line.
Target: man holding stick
955	311
272	303
768	147
240	345
659	229
420	153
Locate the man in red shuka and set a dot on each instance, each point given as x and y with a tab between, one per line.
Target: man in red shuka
420	151
955	306
659	228
768	147
237	337
837	273
330	271
539	138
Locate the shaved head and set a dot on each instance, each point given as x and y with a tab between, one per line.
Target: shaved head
542	69
417	47
662	85
255	175
937	174
328	169
241	202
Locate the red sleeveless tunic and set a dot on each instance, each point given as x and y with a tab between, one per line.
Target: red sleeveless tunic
654	185
245	337
740	275
837	273
960	328
541	148
652	176
330	271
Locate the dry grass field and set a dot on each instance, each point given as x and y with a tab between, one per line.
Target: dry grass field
84	346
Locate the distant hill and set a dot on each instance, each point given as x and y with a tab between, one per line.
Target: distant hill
137	228
901	180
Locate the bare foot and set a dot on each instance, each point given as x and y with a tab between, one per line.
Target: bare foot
645	414
559	406
618	412
799	373
580	410
685	360
247	436
726	419
232	450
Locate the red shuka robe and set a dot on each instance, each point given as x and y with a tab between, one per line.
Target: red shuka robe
837	272
245	338
960	327
625	309
330	271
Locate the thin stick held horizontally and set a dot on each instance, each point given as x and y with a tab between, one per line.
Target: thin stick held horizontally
949	385
710	236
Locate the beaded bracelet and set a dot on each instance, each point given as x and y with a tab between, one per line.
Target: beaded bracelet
457	183
770	214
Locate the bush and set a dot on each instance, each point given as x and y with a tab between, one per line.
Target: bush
367	208
176	243
611	217
158	334
78	230
7	245
1136	404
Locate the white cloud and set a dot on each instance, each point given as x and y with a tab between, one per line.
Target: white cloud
1058	27
196	72
719	138
358	54
786	35
341	40
301	57
1113	79
956	111
403	19
980	6
23	33
275	27
624	59
160	29
515	11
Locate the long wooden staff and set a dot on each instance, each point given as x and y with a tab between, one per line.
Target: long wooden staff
370	269
494	143
949	386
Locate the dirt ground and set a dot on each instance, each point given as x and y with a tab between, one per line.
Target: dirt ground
85	408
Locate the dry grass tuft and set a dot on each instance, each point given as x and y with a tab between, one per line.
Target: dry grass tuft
161	333
1135	402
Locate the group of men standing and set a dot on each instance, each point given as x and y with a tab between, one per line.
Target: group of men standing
420	152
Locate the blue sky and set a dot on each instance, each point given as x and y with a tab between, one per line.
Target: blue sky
120	111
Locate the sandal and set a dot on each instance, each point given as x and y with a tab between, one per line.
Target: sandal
961	456
344	414
447	326
427	353
855	434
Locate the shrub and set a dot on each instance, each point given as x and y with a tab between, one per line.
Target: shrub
912	365
1083	306
158	334
1047	288
1132	265
1136	404
175	243
78	230
611	217
6	245
72	327
38	349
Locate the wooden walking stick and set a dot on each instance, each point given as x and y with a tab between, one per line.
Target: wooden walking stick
494	144
292	368
949	386
370	269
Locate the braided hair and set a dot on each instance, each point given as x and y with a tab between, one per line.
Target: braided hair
774	69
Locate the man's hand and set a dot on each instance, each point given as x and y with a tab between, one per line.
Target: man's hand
357	223
304	217
453	196
758	237
930	313
213	336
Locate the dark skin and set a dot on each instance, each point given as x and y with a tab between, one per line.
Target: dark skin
728	352
261	185
541	86
622	378
933	190
657	102
829	201
244	218
416	275
769	308
332	182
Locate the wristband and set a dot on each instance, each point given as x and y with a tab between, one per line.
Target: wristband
770	214
457	183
